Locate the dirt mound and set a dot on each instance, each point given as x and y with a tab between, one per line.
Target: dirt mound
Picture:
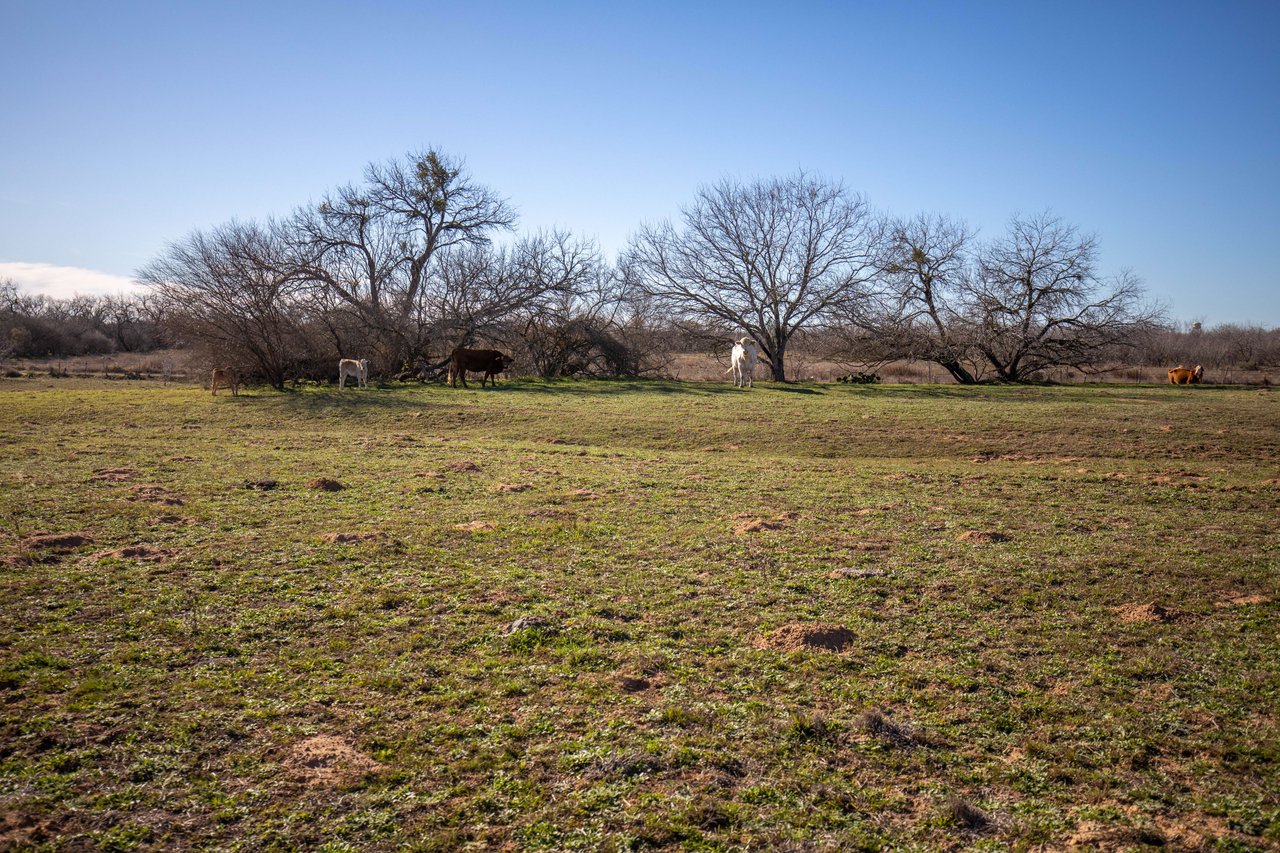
56	541
19	831
463	467
632	684
1149	612
152	493
851	572
144	553
348	538
473	526
1093	835
329	760
585	495
1244	600
324	484
806	635
982	537
173	519
527	623
113	475
746	524
261	485
508	488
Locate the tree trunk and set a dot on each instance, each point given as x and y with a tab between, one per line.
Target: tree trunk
777	363
958	372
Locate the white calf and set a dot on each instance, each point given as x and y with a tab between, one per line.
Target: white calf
742	363
358	370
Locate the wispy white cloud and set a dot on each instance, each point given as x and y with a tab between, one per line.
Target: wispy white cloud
61	282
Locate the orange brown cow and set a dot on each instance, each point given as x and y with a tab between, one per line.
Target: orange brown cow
224	377
1182	376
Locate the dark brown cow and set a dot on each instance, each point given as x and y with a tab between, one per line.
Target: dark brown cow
490	361
1181	376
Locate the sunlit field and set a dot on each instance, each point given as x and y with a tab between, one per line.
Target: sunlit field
628	615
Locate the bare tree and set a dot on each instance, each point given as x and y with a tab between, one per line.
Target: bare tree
225	292
373	245
770	257
1037	301
916	309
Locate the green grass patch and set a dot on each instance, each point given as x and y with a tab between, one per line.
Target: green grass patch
582	615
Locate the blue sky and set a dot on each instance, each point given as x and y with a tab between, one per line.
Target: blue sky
1155	126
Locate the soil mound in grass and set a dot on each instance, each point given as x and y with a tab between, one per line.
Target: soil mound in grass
474	526
56	541
329	760
261	485
349	538
174	519
508	488
850	572
113	475
324	484
759	525
982	537
464	467
145	553
1096	836
1244	600
19	831
798	636
152	493
1148	612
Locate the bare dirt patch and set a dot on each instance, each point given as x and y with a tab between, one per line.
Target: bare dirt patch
798	636
324	484
1243	600
429	475
509	488
351	538
114	475
19	831
1093	835
585	495
329	760
758	525
1149	612
633	684
982	537
57	542
851	573
474	526
464	467
155	494
142	553
173	519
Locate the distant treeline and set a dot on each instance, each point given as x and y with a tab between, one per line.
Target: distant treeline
418	258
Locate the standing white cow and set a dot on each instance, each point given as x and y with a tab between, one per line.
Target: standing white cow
742	363
358	370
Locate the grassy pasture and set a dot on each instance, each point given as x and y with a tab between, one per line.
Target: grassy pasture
552	631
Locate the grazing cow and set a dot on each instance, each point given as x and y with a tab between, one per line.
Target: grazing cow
224	377
489	361
1181	376
742	363
358	370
